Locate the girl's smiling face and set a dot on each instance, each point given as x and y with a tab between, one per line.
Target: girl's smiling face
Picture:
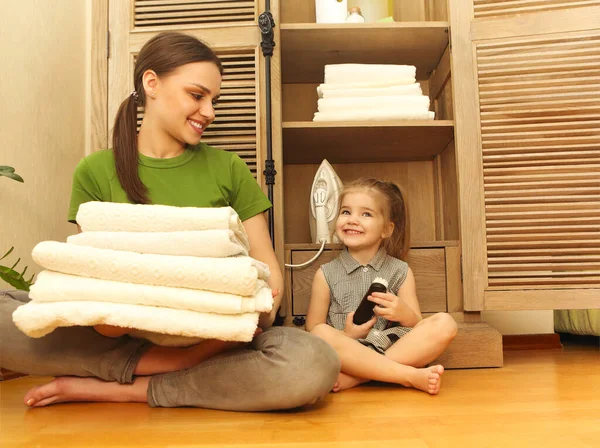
361	223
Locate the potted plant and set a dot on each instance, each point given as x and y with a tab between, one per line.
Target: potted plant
8	274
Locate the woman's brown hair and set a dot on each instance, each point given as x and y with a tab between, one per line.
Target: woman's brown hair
163	54
395	210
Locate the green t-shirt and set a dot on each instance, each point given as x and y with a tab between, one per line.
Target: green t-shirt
200	177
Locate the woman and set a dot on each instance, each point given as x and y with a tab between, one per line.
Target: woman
177	80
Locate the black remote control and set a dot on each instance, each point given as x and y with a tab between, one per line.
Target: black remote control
364	312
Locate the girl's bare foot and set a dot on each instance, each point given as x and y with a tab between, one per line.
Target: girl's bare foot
67	389
428	379
346	381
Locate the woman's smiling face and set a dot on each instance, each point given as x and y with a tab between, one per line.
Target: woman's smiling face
185	99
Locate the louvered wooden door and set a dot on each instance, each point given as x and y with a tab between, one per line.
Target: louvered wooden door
527	87
230	28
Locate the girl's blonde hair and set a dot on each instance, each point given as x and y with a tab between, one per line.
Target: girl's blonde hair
395	210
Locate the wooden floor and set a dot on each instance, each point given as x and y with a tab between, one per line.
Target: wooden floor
546	398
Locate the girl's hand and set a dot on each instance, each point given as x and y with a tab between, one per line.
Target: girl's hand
389	306
358	331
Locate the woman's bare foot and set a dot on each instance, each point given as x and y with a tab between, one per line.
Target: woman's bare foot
66	389
428	379
346	381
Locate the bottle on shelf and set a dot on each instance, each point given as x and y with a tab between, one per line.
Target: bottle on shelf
372	10
331	11
355	16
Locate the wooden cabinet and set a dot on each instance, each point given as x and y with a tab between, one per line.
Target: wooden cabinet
526	77
502	186
418	155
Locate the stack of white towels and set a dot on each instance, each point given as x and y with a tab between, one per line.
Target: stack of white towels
371	92
174	275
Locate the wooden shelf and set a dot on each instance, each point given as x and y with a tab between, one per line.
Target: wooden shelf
413	245
308	47
356	142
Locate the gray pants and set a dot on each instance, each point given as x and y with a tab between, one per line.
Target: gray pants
282	368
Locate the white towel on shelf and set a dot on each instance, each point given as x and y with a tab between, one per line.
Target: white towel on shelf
323	88
406	102
57	287
38	319
382	114
234	275
351	73
410	89
198	243
115	217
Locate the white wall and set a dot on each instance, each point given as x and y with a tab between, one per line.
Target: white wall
42	118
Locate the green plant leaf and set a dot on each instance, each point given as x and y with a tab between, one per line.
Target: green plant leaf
9	171
7	253
15	279
15	176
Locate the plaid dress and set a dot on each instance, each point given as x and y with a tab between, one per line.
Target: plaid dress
348	282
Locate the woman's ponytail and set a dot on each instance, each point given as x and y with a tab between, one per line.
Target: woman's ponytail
126	151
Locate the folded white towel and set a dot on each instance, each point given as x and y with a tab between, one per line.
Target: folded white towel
198	243
351	73
373	115
405	102
114	217
57	287
234	275
411	89
322	88
38	319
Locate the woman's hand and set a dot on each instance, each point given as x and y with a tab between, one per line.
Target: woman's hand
358	331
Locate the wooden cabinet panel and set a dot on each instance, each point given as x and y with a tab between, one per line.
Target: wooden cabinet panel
527	136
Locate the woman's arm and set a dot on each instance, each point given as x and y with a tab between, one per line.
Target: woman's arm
319	302
261	248
170	359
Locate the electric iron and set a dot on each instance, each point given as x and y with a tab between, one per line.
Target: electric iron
324	204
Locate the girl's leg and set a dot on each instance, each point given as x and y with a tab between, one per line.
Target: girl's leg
425	342
361	362
284	368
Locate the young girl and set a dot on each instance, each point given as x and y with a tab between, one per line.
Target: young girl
396	344
177	81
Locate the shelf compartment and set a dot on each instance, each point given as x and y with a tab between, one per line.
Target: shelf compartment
308	47
356	142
